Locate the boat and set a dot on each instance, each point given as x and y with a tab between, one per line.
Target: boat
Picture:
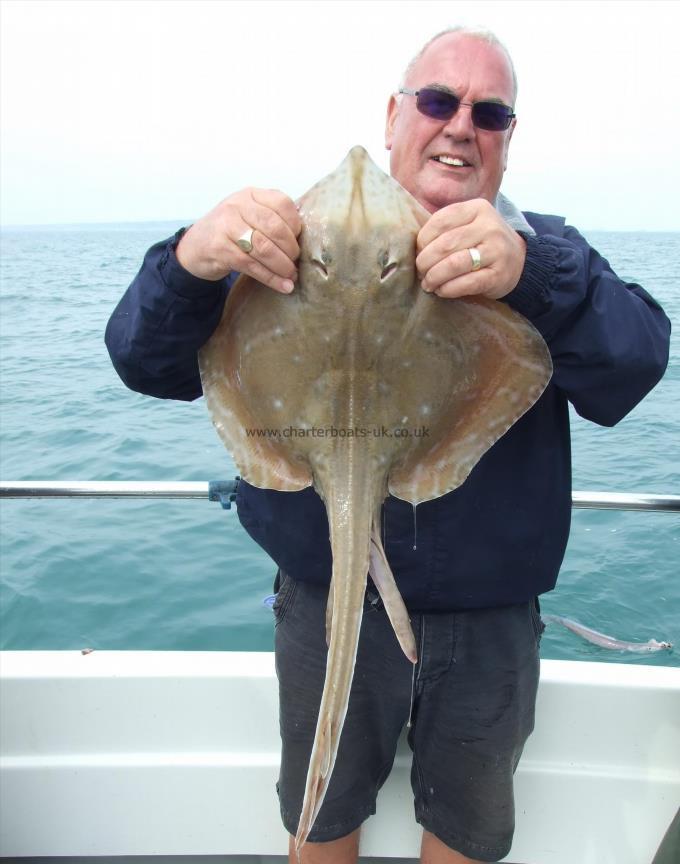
161	755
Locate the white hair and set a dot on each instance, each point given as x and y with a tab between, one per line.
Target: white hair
480	33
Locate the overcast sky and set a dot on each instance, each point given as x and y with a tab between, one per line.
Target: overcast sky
124	110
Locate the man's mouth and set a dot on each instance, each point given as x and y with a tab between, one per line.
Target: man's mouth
454	161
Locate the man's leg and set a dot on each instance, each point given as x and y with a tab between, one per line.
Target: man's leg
433	851
342	851
346	851
378	708
475	692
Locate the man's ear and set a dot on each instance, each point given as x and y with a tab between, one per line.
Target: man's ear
391	119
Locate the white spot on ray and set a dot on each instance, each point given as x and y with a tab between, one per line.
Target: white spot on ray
277	403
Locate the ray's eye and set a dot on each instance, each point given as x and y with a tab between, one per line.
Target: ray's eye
321	261
387	265
388	269
319	266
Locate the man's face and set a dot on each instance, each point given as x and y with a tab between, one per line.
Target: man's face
475	71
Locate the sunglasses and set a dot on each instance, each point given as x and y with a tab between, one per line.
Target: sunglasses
442	105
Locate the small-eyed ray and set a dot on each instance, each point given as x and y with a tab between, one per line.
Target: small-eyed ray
361	384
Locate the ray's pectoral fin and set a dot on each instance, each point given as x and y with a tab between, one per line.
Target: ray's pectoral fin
232	366
492	366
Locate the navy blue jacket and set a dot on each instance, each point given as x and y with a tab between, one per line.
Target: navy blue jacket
500	537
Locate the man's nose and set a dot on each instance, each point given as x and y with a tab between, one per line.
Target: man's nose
460	126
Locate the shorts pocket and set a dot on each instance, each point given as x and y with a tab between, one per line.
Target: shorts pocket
536	620
284	597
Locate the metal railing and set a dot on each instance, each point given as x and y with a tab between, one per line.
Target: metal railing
225	491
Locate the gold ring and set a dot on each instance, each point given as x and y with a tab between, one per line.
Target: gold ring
245	241
476	258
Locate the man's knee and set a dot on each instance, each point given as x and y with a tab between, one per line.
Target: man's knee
344	850
433	851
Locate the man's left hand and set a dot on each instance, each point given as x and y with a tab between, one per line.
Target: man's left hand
445	264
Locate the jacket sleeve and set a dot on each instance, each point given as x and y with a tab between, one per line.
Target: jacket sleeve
609	339
164	317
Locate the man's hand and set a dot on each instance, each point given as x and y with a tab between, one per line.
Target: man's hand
445	264
208	249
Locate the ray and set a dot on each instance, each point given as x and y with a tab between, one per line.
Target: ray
411	389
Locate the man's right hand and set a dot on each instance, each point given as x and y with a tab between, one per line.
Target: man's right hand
208	249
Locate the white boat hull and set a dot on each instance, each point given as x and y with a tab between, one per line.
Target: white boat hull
163	753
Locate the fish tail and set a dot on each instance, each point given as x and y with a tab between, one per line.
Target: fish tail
329	614
350	542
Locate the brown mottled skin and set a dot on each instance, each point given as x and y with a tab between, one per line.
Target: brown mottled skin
358	346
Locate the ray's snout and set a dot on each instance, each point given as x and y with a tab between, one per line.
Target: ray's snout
359	228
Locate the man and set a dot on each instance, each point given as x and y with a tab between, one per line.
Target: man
485	551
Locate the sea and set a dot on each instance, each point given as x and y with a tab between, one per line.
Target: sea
183	575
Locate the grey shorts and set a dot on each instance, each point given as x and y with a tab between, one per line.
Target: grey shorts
474	692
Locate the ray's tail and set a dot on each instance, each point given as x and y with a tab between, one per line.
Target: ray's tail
350	543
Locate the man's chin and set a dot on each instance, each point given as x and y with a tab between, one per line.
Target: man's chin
442	195
441	186
434	191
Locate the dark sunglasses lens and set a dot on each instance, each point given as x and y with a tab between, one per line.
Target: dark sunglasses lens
437	104
491	116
